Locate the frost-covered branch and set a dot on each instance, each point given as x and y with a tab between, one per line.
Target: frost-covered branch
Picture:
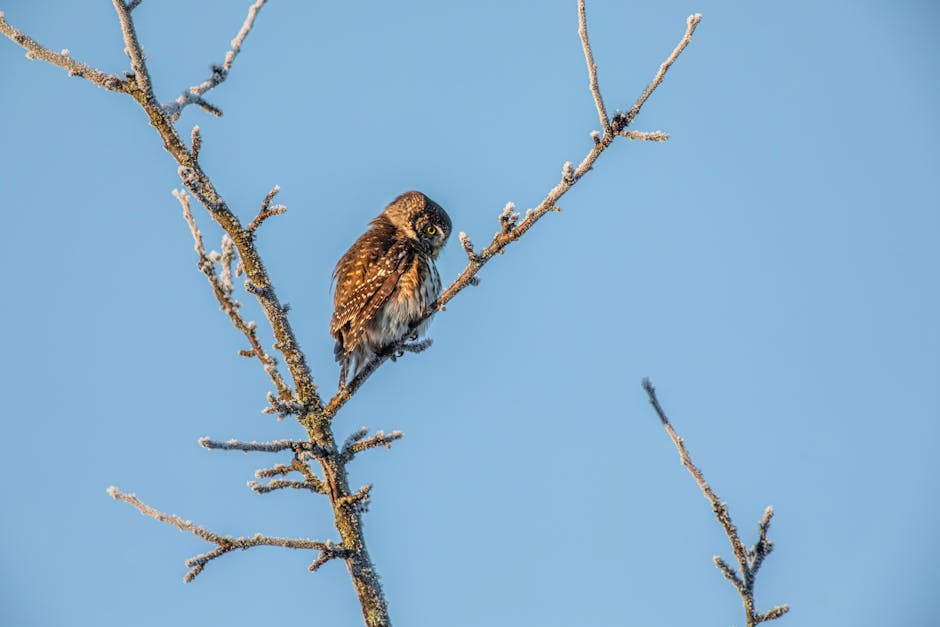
592	68
63	59
275	446
133	49
624	120
267	210
194	95
225	543
358	442
311	481
749	560
222	288
510	229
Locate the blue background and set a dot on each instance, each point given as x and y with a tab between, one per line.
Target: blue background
773	268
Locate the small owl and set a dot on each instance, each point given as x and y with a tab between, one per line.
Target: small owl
387	279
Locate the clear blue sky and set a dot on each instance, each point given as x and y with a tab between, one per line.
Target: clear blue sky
773	268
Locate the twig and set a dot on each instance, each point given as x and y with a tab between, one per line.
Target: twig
358	500
592	69
331	552
225	543
274	471
623	120
282	409
64	60
274	446
749	560
356	443
650	136
266	210
196	138
133	50
278	484
222	288
194	94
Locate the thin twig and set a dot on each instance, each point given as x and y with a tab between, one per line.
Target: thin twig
623	120
720	508
194	95
749	561
225	543
331	552
134	50
64	60
274	446
650	136
222	289
356	442
279	484
196	138
592	69
267	210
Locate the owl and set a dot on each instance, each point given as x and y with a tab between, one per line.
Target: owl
387	279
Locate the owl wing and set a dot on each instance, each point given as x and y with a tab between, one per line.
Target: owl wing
366	287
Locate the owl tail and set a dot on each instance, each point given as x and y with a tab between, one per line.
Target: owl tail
340	354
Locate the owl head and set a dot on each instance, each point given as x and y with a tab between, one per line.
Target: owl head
421	220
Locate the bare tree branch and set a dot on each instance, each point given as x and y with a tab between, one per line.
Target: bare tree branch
650	136
357	442
225	543
63	60
267	210
274	446
749	561
194	94
278	484
133	50
592	69
622	121
222	288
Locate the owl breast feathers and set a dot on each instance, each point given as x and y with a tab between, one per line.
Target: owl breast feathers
387	279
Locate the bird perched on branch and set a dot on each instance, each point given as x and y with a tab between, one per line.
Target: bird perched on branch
387	279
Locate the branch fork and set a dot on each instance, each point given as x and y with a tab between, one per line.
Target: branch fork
749	560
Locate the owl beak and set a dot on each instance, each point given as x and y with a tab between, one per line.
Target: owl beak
436	251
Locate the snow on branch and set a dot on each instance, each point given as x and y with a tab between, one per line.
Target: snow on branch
222	288
623	120
275	446
358	442
194	95
225	543
133	49
592	69
267	210
62	59
749	559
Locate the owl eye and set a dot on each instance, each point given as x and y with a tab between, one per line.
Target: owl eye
430	229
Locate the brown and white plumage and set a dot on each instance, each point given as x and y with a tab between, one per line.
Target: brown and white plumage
387	279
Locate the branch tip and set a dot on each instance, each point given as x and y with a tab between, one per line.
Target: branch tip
218	73
592	69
